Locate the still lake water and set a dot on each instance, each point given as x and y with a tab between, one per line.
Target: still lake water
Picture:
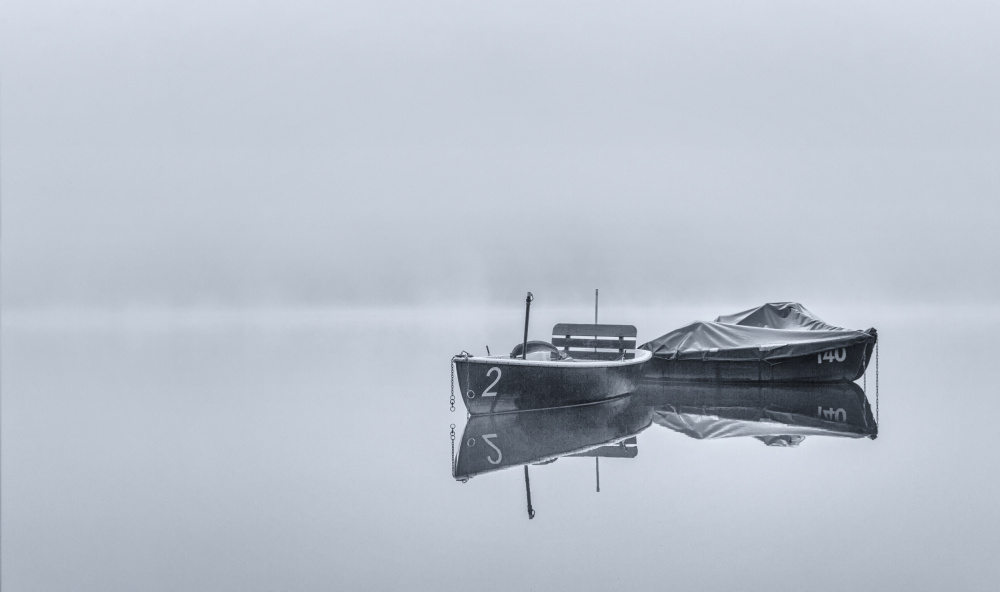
309	450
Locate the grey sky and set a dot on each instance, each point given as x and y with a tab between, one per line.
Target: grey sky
324	153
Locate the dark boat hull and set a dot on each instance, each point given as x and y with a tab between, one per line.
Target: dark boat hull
838	364
501	385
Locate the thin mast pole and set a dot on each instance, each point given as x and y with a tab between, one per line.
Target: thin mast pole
527	311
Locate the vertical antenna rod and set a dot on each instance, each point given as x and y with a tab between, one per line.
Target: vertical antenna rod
524	345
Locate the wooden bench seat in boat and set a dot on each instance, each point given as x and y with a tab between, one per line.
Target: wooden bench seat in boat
595	342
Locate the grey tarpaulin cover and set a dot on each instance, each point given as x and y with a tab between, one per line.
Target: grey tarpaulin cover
769	332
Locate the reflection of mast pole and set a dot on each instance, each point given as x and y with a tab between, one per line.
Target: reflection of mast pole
527	489
595	318
597	466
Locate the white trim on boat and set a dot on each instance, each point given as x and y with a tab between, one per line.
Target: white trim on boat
641	355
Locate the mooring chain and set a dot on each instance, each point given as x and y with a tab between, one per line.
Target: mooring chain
454	459
864	364
465	356
453	388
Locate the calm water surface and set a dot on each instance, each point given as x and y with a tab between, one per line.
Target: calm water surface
311	450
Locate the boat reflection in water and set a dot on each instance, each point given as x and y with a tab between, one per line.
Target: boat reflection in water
500	441
776	414
504	440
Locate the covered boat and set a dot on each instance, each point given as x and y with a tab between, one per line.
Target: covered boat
782	342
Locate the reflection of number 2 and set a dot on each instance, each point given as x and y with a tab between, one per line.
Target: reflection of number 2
486	438
487	392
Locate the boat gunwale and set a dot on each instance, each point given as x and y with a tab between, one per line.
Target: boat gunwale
642	355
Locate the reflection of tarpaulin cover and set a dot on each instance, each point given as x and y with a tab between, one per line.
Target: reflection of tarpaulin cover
778	415
770	332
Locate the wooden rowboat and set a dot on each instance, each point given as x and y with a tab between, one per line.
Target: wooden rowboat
583	364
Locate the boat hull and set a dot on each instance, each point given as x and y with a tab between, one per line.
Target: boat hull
501	385
843	364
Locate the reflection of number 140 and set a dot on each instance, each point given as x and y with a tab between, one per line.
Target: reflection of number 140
832	414
833	355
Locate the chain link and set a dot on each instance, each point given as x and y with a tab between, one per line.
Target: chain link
454	461
464	355
453	388
864	377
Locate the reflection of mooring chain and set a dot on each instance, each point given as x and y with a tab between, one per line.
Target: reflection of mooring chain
865	376
454	461
864	364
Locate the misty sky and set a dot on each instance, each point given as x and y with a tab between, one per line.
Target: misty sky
321	153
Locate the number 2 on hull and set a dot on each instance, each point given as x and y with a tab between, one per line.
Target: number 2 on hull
488	392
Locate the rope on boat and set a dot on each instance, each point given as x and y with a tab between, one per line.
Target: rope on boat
527	488
876	382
